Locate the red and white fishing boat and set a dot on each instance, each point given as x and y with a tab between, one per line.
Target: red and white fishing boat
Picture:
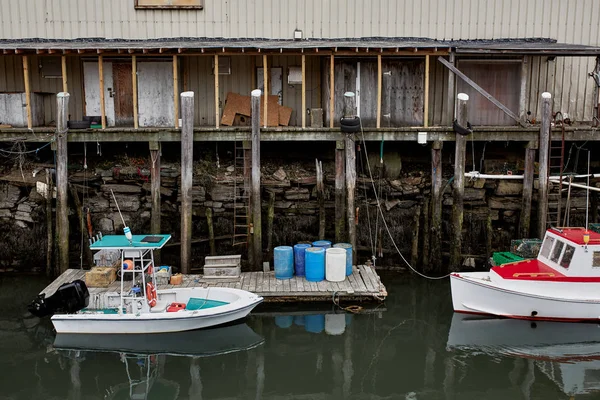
561	284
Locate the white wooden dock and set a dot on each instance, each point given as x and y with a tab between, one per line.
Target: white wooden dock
363	285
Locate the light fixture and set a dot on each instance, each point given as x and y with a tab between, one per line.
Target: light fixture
297	34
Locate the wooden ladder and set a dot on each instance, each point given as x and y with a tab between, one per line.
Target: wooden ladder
556	161
241	196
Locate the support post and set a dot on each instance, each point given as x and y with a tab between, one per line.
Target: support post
62	182
435	232
331	92
176	92
211	231
425	248
451	90
155	222
379	91
303	91
523	90
27	92
63	66
49	226
340	198
543	162
270	219
426	94
187	154
217	111
386	105
89	258
414	251
458	191
349	112
101	81
320	199
266	90
136	122
255	181
525	222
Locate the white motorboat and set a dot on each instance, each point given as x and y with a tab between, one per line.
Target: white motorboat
141	308
561	284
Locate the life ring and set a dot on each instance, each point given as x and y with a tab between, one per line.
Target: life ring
151	294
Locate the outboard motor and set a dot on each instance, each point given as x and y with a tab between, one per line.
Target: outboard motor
68	298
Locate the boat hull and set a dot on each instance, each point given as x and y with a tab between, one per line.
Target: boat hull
241	305
476	293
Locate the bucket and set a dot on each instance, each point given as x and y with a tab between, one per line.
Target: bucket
315	264
335	264
322	243
283	262
348	248
314	323
299	258
335	324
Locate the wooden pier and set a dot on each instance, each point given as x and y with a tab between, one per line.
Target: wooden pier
363	285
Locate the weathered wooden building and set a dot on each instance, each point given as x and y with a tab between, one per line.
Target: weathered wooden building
127	61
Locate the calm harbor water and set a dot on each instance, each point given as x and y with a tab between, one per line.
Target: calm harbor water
411	347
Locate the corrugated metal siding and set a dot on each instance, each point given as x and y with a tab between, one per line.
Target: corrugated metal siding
571	21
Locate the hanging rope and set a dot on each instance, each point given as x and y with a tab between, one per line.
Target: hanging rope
362	170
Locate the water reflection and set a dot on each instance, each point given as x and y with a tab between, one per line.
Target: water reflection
566	353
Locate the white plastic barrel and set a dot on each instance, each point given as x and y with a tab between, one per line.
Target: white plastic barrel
335	264
335	324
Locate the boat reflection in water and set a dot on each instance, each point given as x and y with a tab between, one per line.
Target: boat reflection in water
567	353
144	356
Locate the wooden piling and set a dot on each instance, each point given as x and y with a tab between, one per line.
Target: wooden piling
270	219
176	91
265	89
62	181
85	250
63	67
27	92
379	91
320	199
303	91
386	103
255	181
435	231
155	221
525	221
544	145
426	94
49	225
349	112
211	231
340	197
458	191
136	122
451	90
414	252
425	235
217	91
187	154
331	91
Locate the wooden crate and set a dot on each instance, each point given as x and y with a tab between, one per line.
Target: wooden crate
100	276
222	266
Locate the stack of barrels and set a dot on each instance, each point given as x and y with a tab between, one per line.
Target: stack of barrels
315	261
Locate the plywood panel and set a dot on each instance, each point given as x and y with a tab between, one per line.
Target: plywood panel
123	94
92	90
155	94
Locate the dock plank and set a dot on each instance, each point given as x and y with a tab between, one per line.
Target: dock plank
369	273
356	284
287	285
366	279
259	282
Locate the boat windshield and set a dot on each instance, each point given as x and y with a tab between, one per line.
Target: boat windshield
557	250
547	246
567	256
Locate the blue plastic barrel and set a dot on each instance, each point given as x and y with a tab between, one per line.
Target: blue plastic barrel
315	264
283	262
284	321
326	244
348	248
314	323
299	252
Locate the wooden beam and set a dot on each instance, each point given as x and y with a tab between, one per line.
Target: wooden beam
217	111
80	51
458	187
136	122
525	220
255	181
155	222
101	81
63	63
187	156
340	195
266	88
451	91
62	182
27	92
482	91
543	158
40	51
426	95
379	90
303	91
435	231
523	91
176	91
331	92
352	217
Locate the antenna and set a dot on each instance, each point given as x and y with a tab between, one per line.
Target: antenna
126	229
587	197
